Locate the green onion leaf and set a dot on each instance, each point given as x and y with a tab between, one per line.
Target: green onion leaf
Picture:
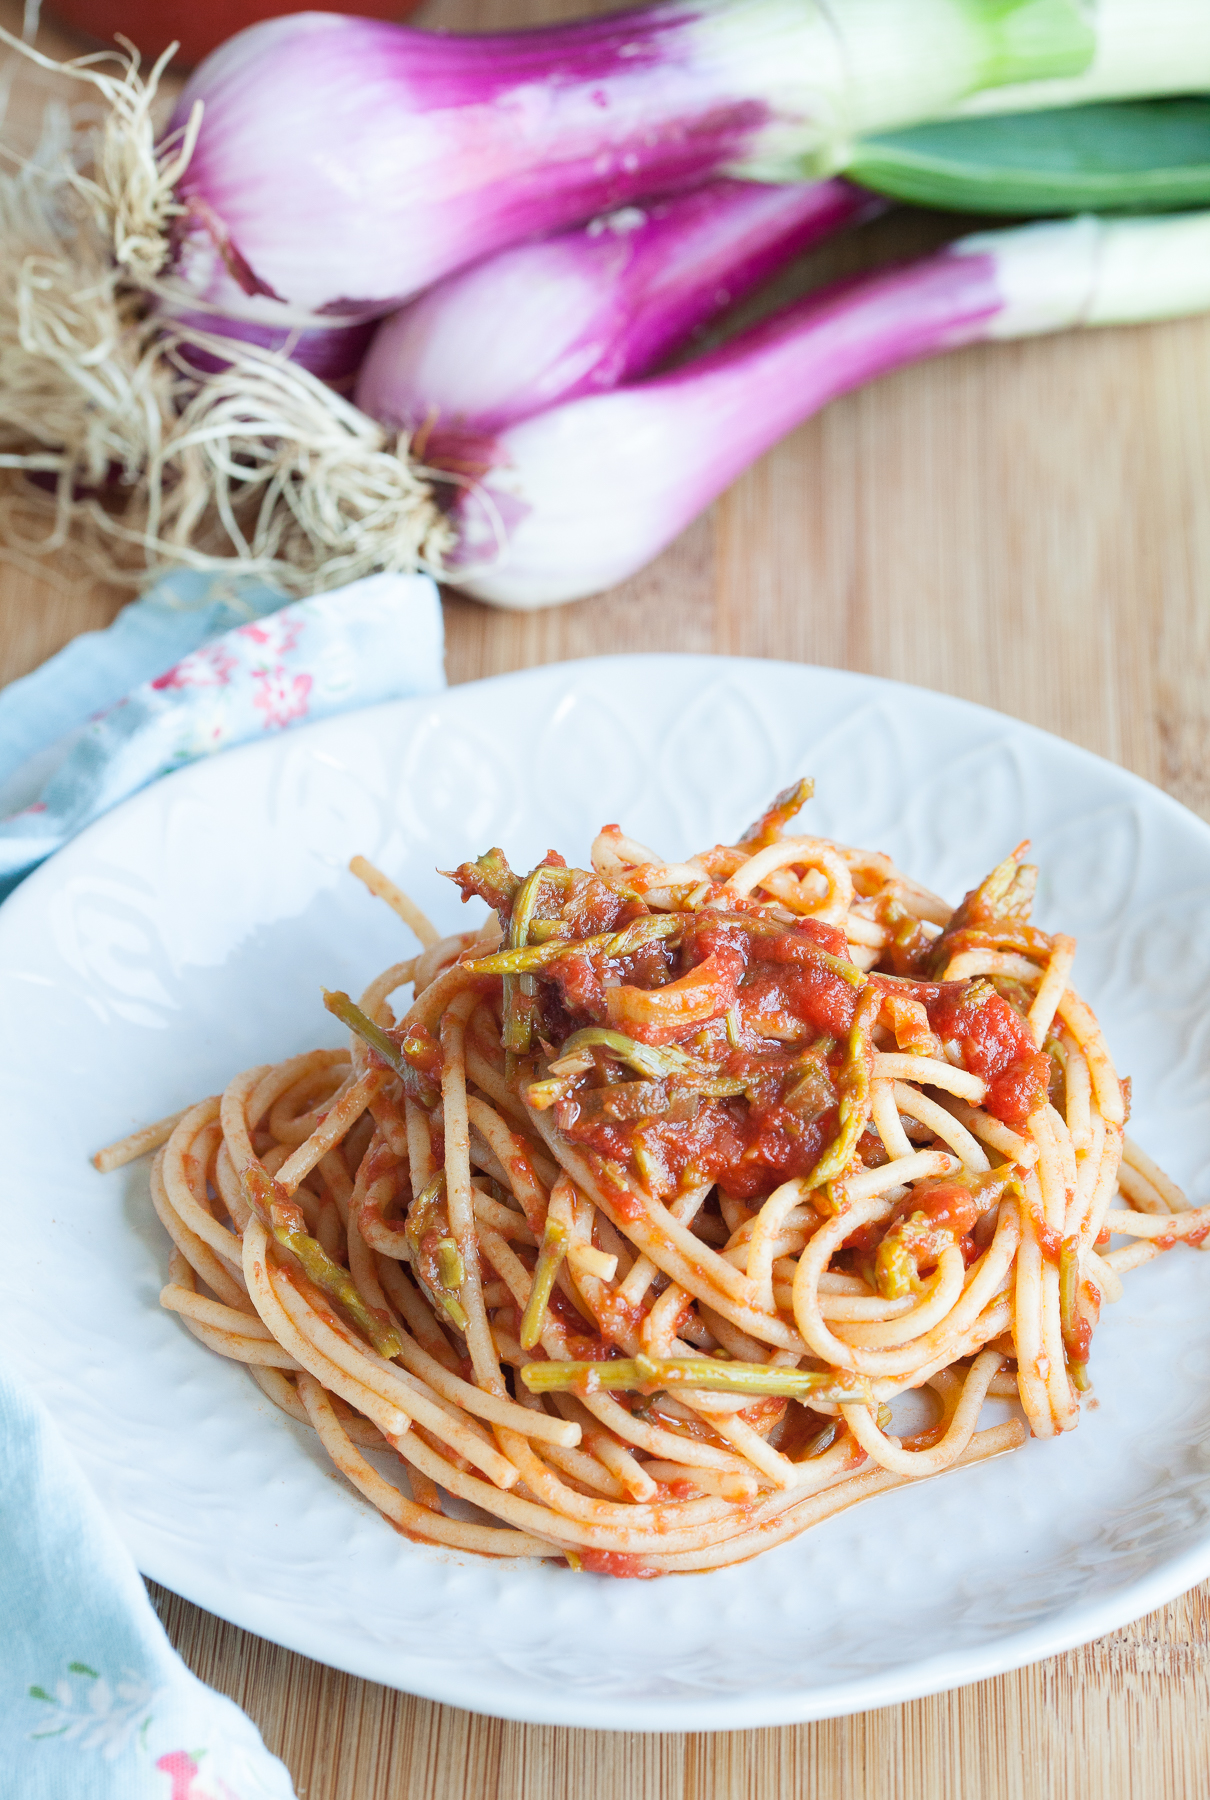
1069	1288
823	1440
542	1094
1140	156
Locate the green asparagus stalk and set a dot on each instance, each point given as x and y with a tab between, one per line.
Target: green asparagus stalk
435	1257
527	958
854	1107
550	1255
362	1026
649	1374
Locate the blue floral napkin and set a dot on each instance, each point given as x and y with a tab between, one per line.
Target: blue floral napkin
41	713
94	1702
117	708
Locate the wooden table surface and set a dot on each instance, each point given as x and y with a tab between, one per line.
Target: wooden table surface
1027	526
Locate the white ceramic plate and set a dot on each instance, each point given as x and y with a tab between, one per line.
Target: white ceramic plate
186	936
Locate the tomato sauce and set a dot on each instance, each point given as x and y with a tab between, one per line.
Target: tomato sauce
1050	1241
583	1344
770	1007
1079	1340
615	1562
947	1206
996	1043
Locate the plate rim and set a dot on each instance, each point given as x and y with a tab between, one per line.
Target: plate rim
264	746
1075	1625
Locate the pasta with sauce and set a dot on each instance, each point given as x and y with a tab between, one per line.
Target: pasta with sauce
634	1227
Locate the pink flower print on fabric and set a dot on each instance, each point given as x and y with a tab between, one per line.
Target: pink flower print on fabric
180	1769
182	1772
376	640
281	632
282	697
212	667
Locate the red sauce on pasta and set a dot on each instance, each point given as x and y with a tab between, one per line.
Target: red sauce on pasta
996	1043
615	1562
772	1008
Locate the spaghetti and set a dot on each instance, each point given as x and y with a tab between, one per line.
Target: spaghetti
635	1226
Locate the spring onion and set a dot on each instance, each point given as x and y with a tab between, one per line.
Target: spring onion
1157	47
319	170
520	990
582	496
588	309
343	164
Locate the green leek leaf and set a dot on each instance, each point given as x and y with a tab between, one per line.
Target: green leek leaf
1127	156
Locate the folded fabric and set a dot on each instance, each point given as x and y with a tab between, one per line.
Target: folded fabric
94	1702
377	639
41	713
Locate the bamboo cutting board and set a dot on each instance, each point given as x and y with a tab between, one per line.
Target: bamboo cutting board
1027	526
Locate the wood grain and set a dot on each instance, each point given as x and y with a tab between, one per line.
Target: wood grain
1027	526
